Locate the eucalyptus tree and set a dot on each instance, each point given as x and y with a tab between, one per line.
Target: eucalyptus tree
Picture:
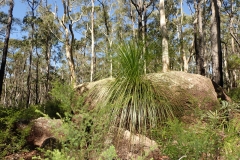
141	7
231	43
30	20
108	31
5	47
186	42
93	55
15	83
199	36
216	43
3	22
47	39
165	54
66	23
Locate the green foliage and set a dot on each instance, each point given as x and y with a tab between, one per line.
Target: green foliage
231	147
64	101
63	94
235	94
233	61
215	136
231	136
13	129
194	142
81	140
109	154
57	155
51	108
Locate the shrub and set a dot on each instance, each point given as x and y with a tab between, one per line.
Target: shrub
63	101
109	154
13	130
62	95
194	142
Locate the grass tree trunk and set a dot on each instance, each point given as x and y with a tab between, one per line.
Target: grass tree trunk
165	55
216	44
5	47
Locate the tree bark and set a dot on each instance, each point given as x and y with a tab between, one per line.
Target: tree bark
226	71
93	56
132	20
69	43
47	57
199	38
70	60
6	41
165	54
216	44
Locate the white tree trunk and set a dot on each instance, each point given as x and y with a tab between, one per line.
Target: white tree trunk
93	57
165	55
70	63
132	19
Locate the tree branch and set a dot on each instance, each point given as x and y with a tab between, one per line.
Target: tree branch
235	39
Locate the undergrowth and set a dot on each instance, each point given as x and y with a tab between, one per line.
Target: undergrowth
214	135
14	129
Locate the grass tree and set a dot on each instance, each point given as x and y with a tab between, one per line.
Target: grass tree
131	99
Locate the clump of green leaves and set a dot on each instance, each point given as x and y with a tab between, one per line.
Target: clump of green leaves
56	155
231	147
83	139
235	94
62	94
13	129
109	154
64	100
215	136
231	130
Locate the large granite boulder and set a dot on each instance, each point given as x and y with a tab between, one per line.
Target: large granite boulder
43	130
135	146
189	92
